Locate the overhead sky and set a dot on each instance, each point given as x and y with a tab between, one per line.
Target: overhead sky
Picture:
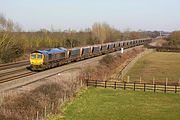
80	14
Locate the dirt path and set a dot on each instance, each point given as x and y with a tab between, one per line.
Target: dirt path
158	42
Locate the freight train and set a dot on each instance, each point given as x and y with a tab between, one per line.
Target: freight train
53	57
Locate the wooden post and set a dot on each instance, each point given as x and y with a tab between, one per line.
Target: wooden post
165	88
52	107
128	77
154	87
175	88
115	85
124	85
140	79
166	81
134	86
96	84
144	87
119	85
45	111
153	80
105	84
37	115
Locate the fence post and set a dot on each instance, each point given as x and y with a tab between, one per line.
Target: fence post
154	87
144	87
45	111
124	85
119	85
105	84
96	83
115	85
134	86
175	88
166	81
128	77
165	88
37	115
153	80
52	107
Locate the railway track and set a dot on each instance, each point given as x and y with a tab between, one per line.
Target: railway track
11	72
14	77
13	65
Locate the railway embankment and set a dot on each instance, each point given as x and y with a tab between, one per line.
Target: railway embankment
107	70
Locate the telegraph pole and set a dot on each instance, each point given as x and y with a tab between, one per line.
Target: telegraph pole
160	34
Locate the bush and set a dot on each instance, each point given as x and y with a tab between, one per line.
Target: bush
11	53
174	39
26	105
106	60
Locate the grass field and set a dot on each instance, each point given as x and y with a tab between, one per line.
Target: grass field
160	65
110	104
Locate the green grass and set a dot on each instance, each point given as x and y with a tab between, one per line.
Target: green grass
110	104
160	65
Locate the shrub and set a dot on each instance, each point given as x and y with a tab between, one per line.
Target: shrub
11	53
106	60
25	106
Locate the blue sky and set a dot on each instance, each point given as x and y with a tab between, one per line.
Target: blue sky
80	14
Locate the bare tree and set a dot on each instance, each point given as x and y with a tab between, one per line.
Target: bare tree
10	48
102	32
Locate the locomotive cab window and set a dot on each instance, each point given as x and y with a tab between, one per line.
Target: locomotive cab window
33	56
39	56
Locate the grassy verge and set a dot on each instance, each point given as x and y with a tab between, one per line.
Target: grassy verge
158	65
110	104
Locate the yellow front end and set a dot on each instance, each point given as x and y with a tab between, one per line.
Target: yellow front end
36	59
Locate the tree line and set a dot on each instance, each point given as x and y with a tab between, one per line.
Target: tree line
174	39
15	43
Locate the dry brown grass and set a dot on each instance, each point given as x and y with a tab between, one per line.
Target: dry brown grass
158	66
47	96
